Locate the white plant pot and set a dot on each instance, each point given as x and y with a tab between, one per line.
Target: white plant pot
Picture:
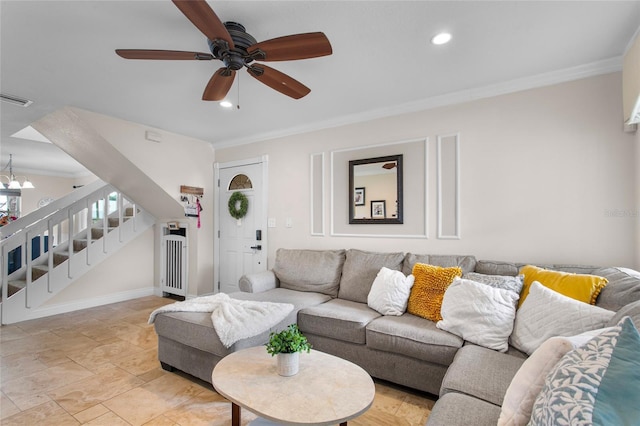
288	364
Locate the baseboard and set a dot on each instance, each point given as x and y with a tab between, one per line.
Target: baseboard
63	308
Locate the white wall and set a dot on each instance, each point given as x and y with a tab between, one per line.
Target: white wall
127	271
177	160
49	187
540	171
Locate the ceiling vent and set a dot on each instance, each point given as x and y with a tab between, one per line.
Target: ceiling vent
15	100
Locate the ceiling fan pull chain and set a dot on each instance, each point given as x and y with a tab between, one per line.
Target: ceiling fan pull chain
238	105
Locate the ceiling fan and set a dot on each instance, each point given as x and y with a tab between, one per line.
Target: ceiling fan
230	43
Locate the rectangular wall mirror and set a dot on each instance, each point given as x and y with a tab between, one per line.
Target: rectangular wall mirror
375	190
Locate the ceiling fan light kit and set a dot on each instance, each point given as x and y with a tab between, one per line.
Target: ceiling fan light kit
441	38
236	49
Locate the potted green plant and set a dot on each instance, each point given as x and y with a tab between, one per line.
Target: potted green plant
287	345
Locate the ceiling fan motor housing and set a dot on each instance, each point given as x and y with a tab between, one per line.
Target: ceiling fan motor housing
237	57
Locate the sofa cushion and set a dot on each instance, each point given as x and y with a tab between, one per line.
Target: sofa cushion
390	292
413	336
361	268
494	267
431	282
467	263
623	287
547	313
497	267
479	313
481	373
632	310
528	381
338	319
506	282
195	329
310	270
456	409
298	299
582	287
597	383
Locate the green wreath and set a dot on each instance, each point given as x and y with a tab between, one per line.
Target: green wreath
234	211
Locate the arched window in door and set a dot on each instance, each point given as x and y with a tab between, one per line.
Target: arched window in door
240	181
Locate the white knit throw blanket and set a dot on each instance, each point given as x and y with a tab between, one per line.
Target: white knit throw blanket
232	319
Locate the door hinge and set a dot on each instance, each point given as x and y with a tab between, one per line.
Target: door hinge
218	285
218	183
218	233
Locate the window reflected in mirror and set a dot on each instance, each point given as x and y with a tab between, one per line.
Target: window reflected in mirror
375	190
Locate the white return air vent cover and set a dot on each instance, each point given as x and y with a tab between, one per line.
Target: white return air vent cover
15	100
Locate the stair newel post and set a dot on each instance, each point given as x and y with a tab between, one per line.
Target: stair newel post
88	224
27	251
105	220
4	264
133	217
70	241
50	254
120	216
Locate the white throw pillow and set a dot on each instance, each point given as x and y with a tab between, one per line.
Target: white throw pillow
528	381
479	313
390	292
549	314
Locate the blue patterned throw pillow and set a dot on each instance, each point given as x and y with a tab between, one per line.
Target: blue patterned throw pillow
598	383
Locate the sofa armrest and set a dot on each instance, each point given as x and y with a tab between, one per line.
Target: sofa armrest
258	282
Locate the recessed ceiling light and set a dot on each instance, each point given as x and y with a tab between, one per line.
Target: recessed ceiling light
226	104
441	38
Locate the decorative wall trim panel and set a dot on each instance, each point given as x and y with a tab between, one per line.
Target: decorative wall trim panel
448	165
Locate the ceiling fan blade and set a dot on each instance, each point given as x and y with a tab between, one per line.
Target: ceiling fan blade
288	48
219	85
278	81
205	19
163	54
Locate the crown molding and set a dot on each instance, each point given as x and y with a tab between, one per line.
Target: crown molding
517	85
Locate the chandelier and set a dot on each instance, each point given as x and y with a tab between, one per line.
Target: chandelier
12	181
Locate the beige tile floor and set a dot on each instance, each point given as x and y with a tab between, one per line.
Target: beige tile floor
99	367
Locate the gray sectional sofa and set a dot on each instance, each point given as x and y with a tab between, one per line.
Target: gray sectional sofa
329	291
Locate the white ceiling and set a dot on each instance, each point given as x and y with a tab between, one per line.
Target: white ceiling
59	53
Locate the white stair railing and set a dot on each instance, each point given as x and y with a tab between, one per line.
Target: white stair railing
44	251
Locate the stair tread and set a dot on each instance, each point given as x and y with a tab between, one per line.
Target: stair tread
18	283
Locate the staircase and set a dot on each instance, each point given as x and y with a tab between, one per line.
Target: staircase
45	251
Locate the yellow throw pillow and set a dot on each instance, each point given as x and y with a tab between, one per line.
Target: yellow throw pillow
428	289
582	287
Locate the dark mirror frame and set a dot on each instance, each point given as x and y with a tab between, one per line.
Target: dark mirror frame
387	159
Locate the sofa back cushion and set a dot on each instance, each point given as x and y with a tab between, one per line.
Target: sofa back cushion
310	270
497	267
361	268
623	288
467	263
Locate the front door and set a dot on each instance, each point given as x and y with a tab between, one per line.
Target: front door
242	242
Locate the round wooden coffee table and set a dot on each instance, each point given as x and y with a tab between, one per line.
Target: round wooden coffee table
327	390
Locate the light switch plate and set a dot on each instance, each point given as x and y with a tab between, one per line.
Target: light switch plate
271	222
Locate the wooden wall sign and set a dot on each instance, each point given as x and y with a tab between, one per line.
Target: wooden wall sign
192	190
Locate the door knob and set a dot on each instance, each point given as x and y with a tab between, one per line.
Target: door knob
258	247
